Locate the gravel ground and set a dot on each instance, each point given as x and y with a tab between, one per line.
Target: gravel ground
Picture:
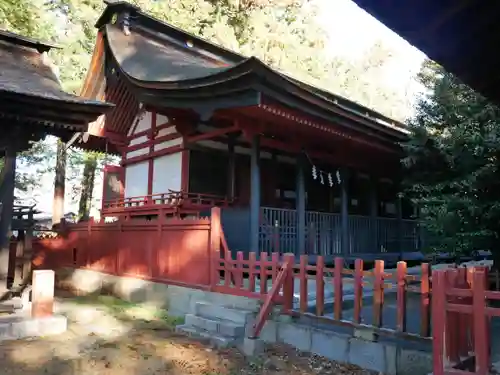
107	336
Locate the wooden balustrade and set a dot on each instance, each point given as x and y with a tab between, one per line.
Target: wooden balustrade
331	285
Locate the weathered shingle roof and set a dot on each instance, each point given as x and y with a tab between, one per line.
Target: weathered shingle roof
30	90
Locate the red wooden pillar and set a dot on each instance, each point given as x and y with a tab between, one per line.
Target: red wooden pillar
215	245
152	136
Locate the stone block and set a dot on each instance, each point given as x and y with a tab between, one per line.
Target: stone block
215	339
42	293
414	362
368	355
296	335
252	347
331	345
5	333
209	310
53	325
269	332
25	328
200	322
366	334
231	329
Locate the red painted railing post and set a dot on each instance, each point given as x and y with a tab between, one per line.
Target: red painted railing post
401	296
215	242
438	321
288	286
338	287
425	327
378	292
358	290
481	344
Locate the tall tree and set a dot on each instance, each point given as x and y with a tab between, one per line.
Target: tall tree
59	183
453	165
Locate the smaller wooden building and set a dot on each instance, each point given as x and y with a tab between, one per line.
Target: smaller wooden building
32	105
295	168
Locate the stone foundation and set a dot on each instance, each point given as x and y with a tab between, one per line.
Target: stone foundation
383	357
179	301
19	327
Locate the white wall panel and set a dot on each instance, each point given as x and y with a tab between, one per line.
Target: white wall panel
167	172
136	179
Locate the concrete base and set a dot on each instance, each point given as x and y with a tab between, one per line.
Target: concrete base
252	347
377	356
19	326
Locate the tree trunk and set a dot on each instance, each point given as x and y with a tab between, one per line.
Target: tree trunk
59	184
89	169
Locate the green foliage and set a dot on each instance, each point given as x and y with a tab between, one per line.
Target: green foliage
452	164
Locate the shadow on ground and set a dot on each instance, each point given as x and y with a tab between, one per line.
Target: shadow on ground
109	336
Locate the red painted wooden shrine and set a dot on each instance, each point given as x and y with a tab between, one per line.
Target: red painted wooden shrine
199	126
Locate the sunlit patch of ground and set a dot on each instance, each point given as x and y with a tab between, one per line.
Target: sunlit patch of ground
109	336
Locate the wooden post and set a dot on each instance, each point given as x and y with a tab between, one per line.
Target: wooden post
231	168
374	215
378	293
303	283
481	342
425	327
400	225
338	287
263	273
401	296
215	248
344	210
28	247
255	194
438	321
301	206
320	286
252	261
7	188
358	290
288	286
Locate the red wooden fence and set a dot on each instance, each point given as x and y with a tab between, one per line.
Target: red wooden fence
461	320
171	250
254	277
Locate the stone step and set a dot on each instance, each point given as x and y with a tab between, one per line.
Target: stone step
224	327
212	311
217	340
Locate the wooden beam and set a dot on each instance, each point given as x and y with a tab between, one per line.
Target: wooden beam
212	134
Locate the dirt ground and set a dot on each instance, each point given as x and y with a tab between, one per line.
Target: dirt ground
108	336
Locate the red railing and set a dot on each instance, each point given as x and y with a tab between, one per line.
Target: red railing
461	320
172	198
255	278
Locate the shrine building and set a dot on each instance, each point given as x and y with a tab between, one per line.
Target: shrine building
293	167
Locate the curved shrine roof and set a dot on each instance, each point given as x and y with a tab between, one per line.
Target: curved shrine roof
168	67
